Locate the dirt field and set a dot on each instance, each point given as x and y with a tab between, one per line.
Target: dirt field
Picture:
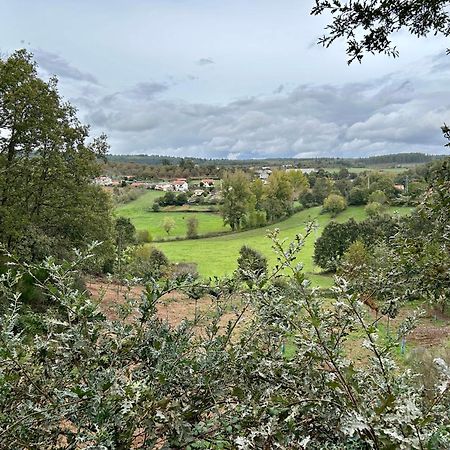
433	330
174	307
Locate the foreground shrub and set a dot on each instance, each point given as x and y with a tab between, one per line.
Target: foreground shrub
375	209
136	382
251	263
147	263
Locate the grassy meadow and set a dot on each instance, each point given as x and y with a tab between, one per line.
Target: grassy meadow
218	255
139	211
386	170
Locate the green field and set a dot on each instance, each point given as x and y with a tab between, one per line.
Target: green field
143	219
218	255
387	170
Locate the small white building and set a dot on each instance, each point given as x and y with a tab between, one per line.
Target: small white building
103	181
264	174
164	187
308	170
180	185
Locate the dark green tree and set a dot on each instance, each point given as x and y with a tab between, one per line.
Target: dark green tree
192	227
251	264
334	242
380	227
344	186
48	203
125	232
322	189
358	196
181	199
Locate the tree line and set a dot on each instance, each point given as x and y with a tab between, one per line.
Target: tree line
247	203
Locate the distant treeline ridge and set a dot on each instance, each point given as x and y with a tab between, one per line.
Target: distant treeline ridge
397	158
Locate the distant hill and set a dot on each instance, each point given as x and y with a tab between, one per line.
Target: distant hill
397	158
392	159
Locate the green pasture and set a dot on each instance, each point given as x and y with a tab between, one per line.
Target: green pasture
387	170
143	218
218	255
191	208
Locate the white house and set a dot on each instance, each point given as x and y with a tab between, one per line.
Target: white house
264	174
180	185
103	181
164	187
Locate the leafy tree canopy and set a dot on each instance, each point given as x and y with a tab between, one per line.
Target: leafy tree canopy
238	198
368	25
48	204
334	204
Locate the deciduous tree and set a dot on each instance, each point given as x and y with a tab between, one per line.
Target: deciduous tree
48	203
192	227
334	204
279	195
168	224
237	197
367	26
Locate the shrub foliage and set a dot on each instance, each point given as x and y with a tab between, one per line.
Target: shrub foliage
135	382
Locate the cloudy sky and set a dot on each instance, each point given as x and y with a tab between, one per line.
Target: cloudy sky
230	79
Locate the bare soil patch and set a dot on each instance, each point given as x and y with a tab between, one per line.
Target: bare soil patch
174	307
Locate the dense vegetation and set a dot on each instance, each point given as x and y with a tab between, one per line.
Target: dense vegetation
72	378
139	383
48	204
183	163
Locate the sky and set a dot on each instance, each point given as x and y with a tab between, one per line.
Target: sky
231	79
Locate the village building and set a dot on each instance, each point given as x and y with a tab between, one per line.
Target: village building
264	174
308	170
207	183
180	185
164	187
140	184
103	181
